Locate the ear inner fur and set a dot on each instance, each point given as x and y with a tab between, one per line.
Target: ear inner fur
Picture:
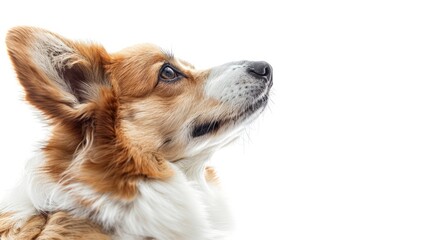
53	86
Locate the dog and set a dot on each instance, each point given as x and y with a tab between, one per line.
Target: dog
131	136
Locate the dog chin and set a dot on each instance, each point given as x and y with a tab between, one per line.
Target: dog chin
254	109
236	121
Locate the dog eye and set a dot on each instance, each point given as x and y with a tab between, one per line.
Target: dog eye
168	74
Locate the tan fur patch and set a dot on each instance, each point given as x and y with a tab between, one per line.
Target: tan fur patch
29	230
56	226
211	175
60	226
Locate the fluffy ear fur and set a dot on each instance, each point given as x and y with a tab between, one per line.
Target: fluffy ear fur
59	76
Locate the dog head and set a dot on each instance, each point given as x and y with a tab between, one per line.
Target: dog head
118	118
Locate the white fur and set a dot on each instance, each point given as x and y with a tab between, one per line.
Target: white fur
233	85
184	207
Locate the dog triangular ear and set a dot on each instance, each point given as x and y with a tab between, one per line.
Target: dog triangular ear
60	77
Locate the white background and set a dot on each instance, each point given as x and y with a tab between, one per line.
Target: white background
342	151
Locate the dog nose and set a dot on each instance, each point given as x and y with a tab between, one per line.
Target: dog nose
260	69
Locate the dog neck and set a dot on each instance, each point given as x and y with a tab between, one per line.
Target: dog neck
194	167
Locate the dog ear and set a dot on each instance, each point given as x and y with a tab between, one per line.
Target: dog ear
60	77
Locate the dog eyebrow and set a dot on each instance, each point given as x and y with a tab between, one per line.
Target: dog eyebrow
168	54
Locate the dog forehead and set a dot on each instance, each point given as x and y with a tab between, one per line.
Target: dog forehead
148	54
145	52
185	65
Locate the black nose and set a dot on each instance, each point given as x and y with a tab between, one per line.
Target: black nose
260	69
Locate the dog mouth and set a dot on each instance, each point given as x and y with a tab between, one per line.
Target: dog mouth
206	128
213	126
261	103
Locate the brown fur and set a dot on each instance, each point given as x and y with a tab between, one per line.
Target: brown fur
56	226
27	231
61	226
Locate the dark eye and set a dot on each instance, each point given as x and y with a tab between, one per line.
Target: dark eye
168	74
